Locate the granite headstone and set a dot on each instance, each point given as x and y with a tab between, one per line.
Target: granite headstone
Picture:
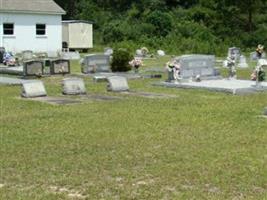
197	65
117	84
60	66
33	89
95	63
33	68
73	86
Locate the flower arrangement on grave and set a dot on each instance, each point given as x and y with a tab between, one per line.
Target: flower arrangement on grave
136	63
231	66
174	68
258	74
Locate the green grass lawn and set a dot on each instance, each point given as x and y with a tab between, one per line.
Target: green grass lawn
200	145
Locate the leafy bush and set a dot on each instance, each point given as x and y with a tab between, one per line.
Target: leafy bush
120	61
161	21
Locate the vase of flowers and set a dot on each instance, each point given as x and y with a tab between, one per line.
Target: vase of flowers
173	69
136	64
258	75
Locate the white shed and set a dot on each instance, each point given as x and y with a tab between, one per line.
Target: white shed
31	25
77	34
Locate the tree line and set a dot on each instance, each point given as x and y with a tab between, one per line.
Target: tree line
193	26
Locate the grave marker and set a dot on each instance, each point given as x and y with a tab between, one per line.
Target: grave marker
73	86
95	63
117	84
27	55
243	62
33	68
33	89
235	52
60	66
197	65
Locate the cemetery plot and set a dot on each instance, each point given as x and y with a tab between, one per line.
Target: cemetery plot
120	84
56	100
99	97
103	77
149	95
95	63
236	87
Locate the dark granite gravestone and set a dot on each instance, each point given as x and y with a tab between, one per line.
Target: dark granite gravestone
33	89
265	111
117	84
33	68
73	86
95	63
60	66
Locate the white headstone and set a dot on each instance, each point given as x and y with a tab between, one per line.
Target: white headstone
33	89
73	86
117	84
139	53
262	63
161	53
108	51
243	62
235	52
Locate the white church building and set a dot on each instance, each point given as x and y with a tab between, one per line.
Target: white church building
31	25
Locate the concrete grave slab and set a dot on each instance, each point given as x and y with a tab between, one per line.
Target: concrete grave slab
12	81
236	87
98	97
103	77
33	89
18	70
120	84
73	86
117	84
56	100
150	95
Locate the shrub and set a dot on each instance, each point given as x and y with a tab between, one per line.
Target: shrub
161	21
120	61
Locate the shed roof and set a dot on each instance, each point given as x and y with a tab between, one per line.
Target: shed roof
77	21
31	6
